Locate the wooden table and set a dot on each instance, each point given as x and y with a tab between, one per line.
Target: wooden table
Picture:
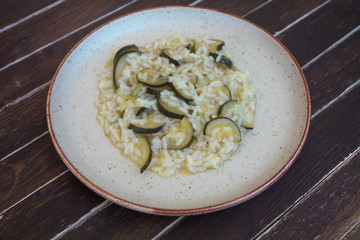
319	197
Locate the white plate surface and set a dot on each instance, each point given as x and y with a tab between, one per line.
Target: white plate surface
281	125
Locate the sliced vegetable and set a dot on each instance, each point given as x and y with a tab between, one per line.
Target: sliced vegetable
248	118
190	47
166	54
223	59
182	94
228	106
157	90
149	77
146	152
127	48
148	125
137	89
185	127
217	45
140	110
168	110
223	89
120	62
222	127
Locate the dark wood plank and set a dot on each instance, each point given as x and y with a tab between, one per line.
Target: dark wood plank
326	83
321	29
27	170
107	224
49	211
278	14
235	7
40	30
23	77
329	211
23	122
15	10
334	134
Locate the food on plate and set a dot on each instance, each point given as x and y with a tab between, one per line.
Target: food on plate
176	105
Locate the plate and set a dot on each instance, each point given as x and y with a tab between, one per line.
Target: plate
281	124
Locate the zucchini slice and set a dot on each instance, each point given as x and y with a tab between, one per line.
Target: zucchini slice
148	126
168	110
185	127
120	62
248	119
146	152
227	107
140	110
149	77
218	45
223	59
190	47
222	127
180	93
224	89
166	54
157	90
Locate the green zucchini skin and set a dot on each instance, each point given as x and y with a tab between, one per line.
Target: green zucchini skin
223	59
117	58
225	105
141	130
147	163
167	112
165	53
181	96
151	79
220	120
148	151
140	111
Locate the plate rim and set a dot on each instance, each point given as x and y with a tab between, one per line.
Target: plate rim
189	211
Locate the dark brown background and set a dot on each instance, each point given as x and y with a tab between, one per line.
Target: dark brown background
319	197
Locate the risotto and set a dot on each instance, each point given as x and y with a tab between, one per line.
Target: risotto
176	105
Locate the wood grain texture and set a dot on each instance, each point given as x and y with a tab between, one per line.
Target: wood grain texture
56	22
27	170
23	122
12	11
278	14
116	222
334	134
318	31
328	211
49	210
235	7
326	83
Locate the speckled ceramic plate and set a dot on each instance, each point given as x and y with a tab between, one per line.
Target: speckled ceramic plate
281	125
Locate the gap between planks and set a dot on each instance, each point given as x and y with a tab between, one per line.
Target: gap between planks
34	14
82	219
301	18
66	35
106	203
303	197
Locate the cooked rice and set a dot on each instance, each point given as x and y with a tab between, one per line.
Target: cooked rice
205	152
